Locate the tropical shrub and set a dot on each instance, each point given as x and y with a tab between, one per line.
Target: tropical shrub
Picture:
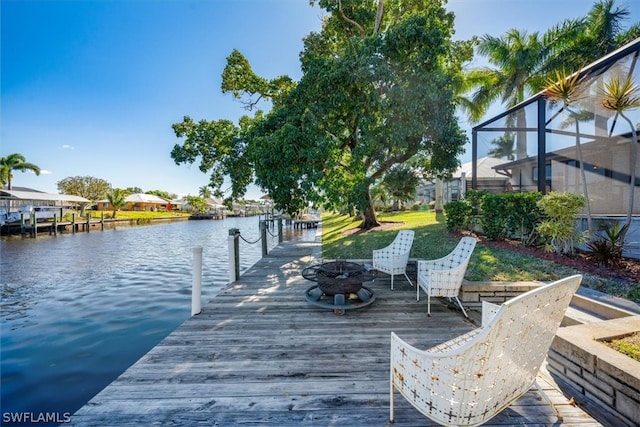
457	215
607	249
522	215
557	227
493	219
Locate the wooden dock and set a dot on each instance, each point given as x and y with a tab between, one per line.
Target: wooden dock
259	354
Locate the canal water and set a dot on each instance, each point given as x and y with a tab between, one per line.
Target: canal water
78	309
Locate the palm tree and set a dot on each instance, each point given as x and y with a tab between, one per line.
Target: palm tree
116	199
576	43
13	162
401	183
568	89
516	58
503	146
622	97
205	192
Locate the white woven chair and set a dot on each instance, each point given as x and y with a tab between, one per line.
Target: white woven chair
472	378
393	259
443	277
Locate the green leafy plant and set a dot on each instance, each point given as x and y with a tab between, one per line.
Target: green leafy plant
634	294
494	217
558	225
629	345
523	215
607	249
458	214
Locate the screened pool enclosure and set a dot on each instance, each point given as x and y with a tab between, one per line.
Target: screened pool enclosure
582	147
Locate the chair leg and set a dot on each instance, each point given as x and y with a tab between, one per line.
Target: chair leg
461	307
409	280
546	398
391	414
391	281
428	304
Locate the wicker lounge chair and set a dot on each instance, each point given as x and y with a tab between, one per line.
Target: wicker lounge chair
443	277
393	259
472	378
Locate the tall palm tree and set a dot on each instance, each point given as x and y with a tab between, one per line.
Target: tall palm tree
13	162
567	89
516	59
621	97
521	63
116	199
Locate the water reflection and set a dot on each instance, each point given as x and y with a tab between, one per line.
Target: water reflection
78	309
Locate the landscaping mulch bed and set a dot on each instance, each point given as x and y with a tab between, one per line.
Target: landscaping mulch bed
627	269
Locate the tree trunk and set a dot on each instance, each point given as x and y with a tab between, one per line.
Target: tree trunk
633	157
583	178
369	219
521	134
439	206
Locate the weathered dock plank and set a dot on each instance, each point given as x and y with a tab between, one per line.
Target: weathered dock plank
260	354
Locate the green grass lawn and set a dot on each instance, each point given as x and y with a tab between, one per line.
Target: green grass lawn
341	239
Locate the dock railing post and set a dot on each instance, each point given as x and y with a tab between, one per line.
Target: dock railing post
196	287
279	230
234	254
263	237
55	224
34	225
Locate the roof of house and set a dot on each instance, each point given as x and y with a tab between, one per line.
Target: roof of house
32	195
145	198
485	169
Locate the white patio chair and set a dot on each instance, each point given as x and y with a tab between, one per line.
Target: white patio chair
443	277
393	259
470	379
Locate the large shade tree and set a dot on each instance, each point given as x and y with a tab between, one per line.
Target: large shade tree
14	162
377	90
88	187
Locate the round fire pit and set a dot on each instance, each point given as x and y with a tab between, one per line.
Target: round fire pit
339	285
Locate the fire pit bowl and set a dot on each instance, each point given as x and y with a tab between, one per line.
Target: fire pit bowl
338	277
339	285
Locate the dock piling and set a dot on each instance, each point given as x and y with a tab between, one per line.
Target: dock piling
196	288
234	254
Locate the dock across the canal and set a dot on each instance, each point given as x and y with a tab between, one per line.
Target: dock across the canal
259	354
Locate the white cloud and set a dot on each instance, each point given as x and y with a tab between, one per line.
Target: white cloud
67	147
44	172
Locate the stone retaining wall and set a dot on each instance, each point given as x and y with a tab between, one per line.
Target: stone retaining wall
595	373
473	293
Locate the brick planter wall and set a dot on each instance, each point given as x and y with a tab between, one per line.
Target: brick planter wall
596	374
473	293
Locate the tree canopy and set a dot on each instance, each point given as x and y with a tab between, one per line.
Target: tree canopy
378	89
85	186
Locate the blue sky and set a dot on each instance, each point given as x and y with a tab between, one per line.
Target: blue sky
92	87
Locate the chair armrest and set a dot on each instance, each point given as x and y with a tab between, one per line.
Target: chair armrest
489	310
